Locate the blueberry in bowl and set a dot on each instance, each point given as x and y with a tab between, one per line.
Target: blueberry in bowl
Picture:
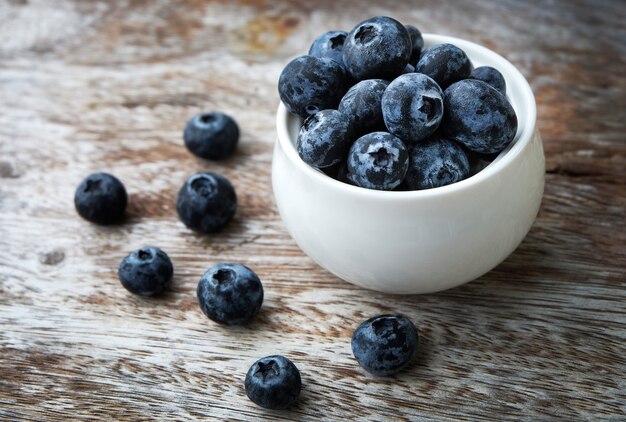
379	47
405	240
309	84
329	45
412	107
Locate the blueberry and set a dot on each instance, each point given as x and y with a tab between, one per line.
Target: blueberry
324	138
362	104
490	76
379	47
478	116
385	344
309	84
378	160
206	202
412	107
436	162
273	382
213	136
329	45
230	294
445	63
101	198
417	43
146	272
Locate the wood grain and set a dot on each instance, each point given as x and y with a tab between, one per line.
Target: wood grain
108	86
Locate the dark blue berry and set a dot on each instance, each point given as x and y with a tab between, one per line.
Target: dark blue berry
378	160
273	382
206	202
309	84
478	116
379	47
436	162
329	45
385	344
324	138
230	294
101	198
213	136
417	43
490	76
362	105
445	63
412	107
146	272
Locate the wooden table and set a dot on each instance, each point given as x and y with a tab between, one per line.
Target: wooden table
88	86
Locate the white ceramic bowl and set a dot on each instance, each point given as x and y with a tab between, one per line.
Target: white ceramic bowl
416	241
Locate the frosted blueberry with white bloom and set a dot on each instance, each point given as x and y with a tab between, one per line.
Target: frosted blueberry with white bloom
329	45
436	162
445	63
309	84
478	116
324	138
378	160
412	107
362	104
491	76
379	47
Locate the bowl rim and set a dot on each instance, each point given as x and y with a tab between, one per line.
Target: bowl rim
513	77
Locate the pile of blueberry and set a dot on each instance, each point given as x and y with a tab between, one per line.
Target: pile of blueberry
383	113
230	293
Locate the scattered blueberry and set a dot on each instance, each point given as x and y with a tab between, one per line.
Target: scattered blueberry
329	45
206	202
309	84
412	107
417	43
324	138
362	105
436	162
445	63
378	160
146	272
385	344
101	198
273	382
478	116
379	47
490	76
213	136
230	294
409	69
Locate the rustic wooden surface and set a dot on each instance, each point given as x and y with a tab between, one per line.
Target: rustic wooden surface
88	86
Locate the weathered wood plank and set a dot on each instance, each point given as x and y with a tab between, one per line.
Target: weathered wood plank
88	86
